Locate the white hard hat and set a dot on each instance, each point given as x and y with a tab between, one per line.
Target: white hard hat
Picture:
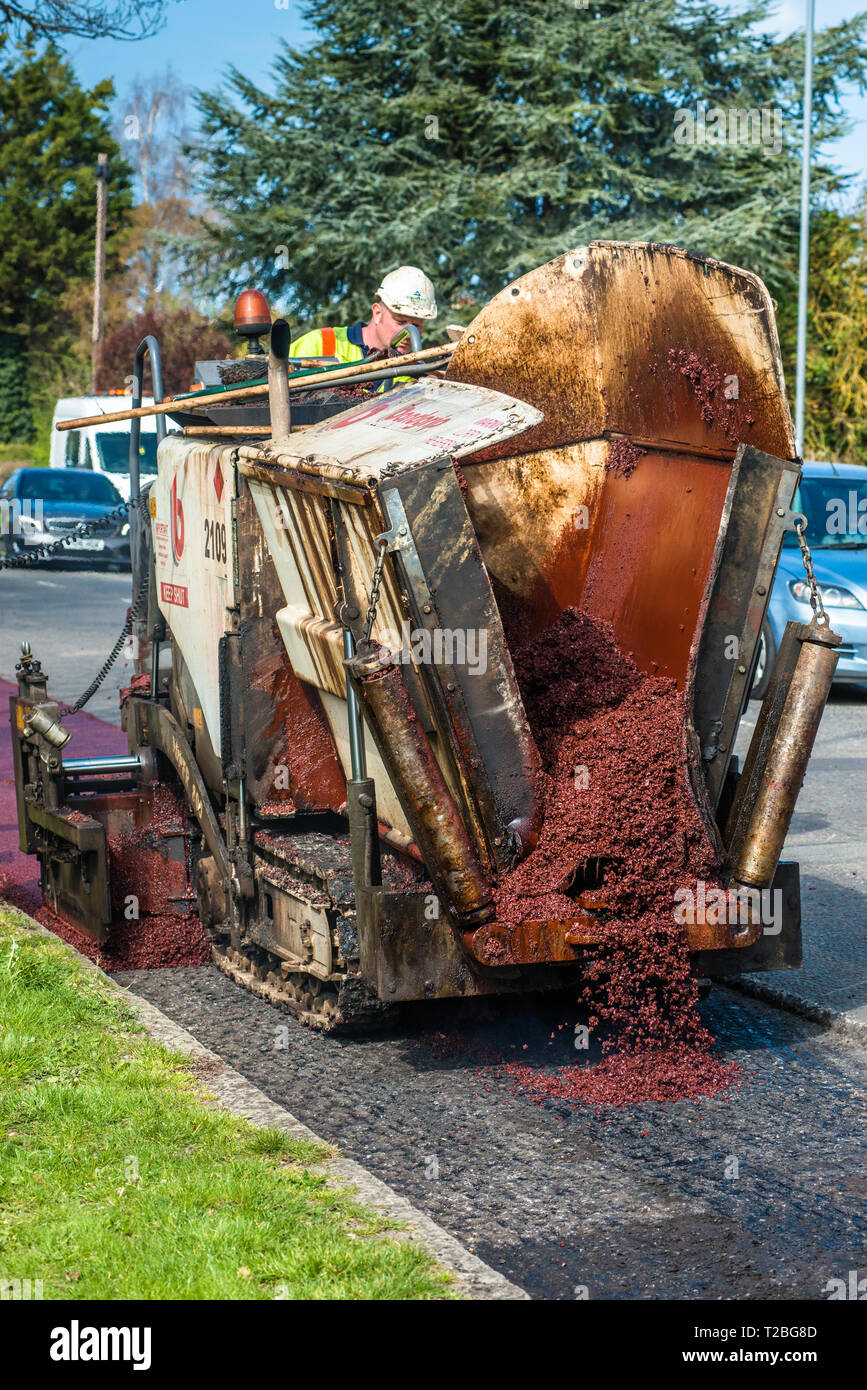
407	290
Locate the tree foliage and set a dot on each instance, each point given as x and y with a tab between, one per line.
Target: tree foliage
16	417
183	336
51	130
481	140
835	424
86	19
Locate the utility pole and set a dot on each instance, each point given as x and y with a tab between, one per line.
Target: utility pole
99	270
804	257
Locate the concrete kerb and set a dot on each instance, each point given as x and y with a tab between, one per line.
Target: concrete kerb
835	1019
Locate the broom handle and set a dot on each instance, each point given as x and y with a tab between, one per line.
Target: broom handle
193	402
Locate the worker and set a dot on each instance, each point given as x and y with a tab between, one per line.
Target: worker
406	296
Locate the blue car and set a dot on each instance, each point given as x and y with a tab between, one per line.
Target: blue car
41	505
833	498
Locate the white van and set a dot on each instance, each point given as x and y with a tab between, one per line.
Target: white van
103	448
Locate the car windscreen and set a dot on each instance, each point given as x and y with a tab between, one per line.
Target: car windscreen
836	512
67	485
112	447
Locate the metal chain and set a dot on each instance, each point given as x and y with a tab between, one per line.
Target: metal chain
136	611
820	617
374	591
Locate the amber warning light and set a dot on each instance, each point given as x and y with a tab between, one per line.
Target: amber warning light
252	317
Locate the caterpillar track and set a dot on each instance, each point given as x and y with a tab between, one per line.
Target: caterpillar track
329	1008
315	868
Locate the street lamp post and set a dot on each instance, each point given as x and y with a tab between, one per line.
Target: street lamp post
804	257
99	270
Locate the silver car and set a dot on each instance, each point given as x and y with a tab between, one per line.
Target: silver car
833	498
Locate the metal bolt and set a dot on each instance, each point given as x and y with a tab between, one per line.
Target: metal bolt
427	608
450	686
781	511
761	589
743	670
498	840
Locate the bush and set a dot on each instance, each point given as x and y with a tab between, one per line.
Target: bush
183	336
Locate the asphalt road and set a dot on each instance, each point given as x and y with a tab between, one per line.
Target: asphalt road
758	1194
828	838
71	617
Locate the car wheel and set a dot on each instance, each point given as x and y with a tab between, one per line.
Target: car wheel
764	662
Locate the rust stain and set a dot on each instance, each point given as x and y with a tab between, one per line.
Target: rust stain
300	740
599	338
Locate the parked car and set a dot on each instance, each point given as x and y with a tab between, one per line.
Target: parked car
833	498
103	448
41	505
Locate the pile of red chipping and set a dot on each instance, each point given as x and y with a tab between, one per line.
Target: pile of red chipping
150	943
623	457
618	813
143	874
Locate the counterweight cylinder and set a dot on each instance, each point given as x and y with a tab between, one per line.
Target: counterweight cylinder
771	779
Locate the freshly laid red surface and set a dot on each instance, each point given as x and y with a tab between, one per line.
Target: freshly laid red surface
151	943
629	1078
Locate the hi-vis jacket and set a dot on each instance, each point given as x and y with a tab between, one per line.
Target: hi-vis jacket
346	344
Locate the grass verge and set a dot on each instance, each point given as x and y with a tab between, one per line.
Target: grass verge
118	1182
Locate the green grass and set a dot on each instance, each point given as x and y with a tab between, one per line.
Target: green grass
117	1181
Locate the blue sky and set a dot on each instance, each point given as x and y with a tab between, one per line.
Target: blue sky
203	37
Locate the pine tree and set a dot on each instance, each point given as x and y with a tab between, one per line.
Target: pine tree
51	130
481	140
16	415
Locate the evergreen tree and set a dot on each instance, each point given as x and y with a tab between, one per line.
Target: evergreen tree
16	416
481	140
51	130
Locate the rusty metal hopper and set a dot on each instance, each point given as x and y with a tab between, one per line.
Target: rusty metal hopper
650	366
655	491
